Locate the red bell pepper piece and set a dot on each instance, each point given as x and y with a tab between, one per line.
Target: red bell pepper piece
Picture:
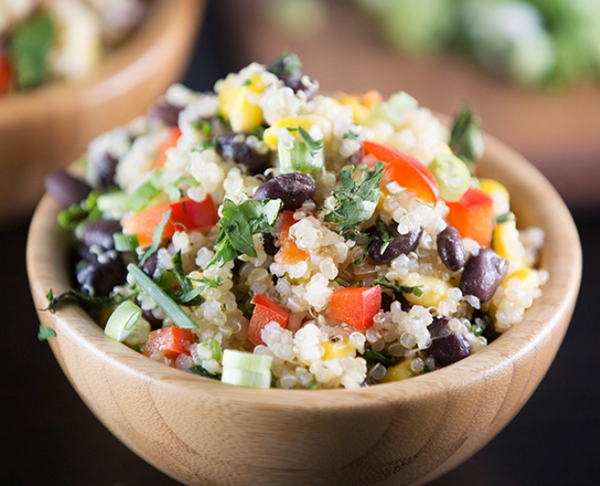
170	341
185	214
265	311
406	171
6	74
473	216
170	142
356	306
289	253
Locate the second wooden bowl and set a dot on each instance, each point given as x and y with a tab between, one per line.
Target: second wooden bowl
43	129
204	432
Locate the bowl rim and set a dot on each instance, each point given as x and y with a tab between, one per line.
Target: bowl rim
561	256
148	36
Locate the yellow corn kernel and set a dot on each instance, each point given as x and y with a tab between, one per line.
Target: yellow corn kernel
434	289
498	193
304	121
240	103
505	242
338	349
528	278
401	371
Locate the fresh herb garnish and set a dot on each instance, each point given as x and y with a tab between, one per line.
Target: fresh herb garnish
480	324
29	49
84	212
190	294
156	237
345	283
85	300
426	369
239	222
203	126
201	371
314	146
258	131
384	282
503	218
45	333
350	135
356	201
383	357
466	141
287	65
383	233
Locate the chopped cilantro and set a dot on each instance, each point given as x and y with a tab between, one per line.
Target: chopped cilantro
314	146
426	369
85	300
383	357
356	201
190	294
466	141
345	283
45	333
82	213
503	218
350	135
203	126
384	282
201	371
239	222
383	233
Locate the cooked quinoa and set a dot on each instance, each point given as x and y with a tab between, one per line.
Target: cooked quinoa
367	272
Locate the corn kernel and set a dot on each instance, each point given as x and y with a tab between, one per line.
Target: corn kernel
498	193
338	349
304	121
505	242
528	278
401	371
433	289
240	104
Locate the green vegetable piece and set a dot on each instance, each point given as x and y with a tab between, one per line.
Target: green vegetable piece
85	300
79	214
384	282
29	48
382	357
125	242
466	141
201	371
215	348
45	333
251	379
296	157
179	317
126	325
395	109
452	175
112	201
140	198
246	361
356	202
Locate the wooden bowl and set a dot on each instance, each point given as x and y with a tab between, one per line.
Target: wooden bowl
42	129
204	432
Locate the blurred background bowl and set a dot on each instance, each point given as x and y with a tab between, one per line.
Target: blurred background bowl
203	432
42	129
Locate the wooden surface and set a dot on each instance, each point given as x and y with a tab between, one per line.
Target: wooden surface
204	432
46	128
559	131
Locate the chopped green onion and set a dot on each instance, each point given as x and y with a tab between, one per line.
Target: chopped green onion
452	175
251	379
395	109
296	156
125	242
246	361
140	198
215	348
179	317
113	201
126	325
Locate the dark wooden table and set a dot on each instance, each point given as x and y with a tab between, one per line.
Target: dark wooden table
49	437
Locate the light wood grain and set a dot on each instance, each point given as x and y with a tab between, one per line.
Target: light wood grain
44	129
203	432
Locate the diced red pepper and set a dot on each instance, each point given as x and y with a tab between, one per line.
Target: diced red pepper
405	170
170	142
289	253
185	214
473	216
356	306
265	311
170	341
6	74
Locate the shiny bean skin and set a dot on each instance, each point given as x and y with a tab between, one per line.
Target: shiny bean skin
401	244
269	244
293	189
105	168
153	321
102	277
100	232
233	146
310	89
451	249
483	274
166	112
447	347
65	188
149	266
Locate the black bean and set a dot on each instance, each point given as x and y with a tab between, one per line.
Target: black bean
310	88
401	244
149	266
154	322
233	146
483	274
486	323
388	299
105	169
65	188
451	249
269	244
102	277
166	112
100	232
293	189
447	347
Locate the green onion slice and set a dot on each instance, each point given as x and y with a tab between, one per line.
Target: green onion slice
125	242
452	175
246	361
112	201
179	317
123	320
233	376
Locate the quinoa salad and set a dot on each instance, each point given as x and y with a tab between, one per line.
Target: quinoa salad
268	235
43	40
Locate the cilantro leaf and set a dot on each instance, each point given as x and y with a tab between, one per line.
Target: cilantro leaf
384	282
314	146
239	222
383	233
356	202
382	357
45	333
85	300
466	141
190	294
29	49
201	371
